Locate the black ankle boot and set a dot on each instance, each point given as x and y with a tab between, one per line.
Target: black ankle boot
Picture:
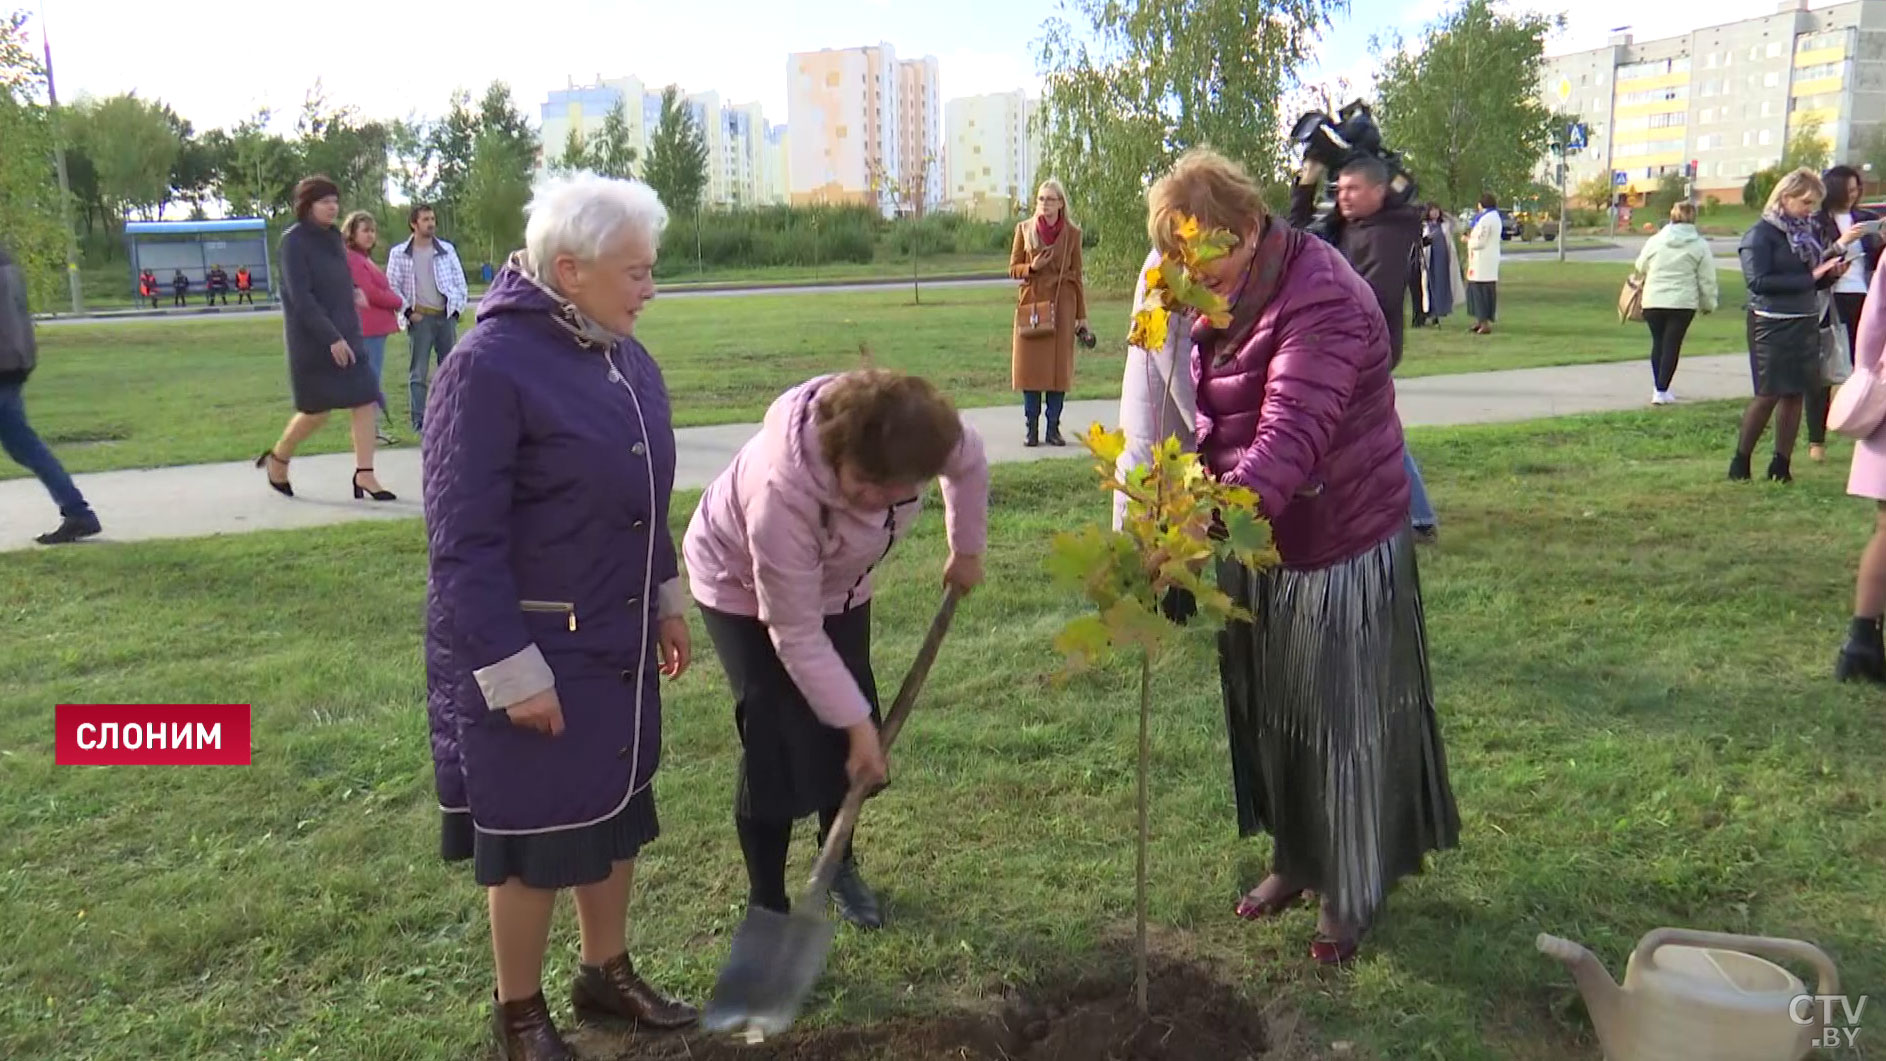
1033	437
1778	470
1739	468
857	903
1863	657
1054	434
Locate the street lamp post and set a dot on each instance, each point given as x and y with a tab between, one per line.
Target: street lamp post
65	186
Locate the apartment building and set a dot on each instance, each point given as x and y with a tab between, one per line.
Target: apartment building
860	118
1725	98
920	129
990	156
736	136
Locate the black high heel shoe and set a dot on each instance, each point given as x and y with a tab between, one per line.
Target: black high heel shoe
282	487
377	495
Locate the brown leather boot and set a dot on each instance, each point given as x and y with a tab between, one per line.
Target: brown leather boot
525	1031
612	991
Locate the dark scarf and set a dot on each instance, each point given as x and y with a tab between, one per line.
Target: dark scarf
1050	233
1803	237
1276	247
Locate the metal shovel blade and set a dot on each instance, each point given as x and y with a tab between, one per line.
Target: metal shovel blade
776	960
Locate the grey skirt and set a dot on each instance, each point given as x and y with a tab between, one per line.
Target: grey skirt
567	858
1335	748
1483	300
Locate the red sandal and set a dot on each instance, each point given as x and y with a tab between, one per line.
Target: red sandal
1253	909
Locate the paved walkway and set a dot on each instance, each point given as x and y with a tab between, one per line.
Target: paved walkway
197	500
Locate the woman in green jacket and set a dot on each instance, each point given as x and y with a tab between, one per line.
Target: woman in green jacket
1679	278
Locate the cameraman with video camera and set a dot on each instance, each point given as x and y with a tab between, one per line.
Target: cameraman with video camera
1376	235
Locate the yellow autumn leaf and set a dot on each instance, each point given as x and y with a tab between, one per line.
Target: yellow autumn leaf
1150	327
1188	231
1105	445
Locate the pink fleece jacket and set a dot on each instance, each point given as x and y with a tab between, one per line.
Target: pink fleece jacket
773	539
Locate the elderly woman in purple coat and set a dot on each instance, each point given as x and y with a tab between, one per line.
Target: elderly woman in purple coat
554	600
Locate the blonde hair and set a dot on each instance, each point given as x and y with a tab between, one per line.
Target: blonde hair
1683	213
1803	183
1209	187
355	221
1053	185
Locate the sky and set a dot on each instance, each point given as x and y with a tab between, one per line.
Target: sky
406	59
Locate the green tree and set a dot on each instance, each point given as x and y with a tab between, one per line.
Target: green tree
1672	188
29	189
450	144
351	152
1807	148
259	175
1462	106
1594	192
1759	186
133	145
496	190
1131	84
195	175
677	156
575	154
609	152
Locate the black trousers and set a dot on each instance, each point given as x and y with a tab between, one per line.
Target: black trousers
1667	328
1848	305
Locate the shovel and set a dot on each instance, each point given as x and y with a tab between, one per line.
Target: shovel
777	958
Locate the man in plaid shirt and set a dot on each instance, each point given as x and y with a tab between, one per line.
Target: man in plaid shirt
426	273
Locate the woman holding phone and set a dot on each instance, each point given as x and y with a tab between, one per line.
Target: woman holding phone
1854	232
1785	265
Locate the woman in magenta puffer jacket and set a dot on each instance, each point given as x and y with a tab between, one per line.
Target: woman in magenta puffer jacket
1335	749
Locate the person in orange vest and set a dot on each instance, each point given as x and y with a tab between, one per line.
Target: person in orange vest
147	287
245	286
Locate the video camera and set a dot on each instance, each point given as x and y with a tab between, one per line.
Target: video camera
1336	143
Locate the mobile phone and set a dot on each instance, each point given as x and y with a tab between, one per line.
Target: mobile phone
1871	228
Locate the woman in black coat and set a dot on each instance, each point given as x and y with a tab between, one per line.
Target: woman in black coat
327	364
1786	267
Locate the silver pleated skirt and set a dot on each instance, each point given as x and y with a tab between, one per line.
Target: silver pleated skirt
1335	748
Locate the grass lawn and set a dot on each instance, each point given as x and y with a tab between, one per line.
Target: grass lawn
147	393
1631	659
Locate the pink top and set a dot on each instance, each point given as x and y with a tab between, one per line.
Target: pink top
774	540
379	315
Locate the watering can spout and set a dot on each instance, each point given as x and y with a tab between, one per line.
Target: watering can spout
1604	999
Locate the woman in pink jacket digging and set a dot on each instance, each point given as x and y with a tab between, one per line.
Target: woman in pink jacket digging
779	557
1335	749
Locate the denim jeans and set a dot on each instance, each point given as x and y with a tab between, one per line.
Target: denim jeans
429	336
375	349
23	444
1031	406
1420	509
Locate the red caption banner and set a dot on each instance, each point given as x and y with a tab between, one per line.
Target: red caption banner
152	735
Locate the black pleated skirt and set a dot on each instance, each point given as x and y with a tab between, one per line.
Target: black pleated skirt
567	858
792	765
1335	747
1783	355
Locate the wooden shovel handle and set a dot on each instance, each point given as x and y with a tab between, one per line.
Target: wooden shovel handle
826	867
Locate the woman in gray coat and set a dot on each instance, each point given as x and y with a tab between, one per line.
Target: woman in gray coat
327	364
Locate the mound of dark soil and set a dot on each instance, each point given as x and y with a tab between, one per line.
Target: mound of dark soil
1194	1017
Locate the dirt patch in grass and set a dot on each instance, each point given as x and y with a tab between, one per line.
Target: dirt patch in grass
1193	1017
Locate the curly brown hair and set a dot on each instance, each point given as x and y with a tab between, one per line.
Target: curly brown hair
886	426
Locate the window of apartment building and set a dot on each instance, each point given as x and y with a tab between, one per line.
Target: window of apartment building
1648	147
1768	108
1820	70
1708	88
1766	137
1654	95
1771	79
1774	49
1748	138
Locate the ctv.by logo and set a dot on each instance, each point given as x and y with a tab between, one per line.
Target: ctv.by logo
1837	1015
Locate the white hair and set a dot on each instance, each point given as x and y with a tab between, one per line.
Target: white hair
582	214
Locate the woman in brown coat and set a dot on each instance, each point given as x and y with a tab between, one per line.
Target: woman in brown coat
1052	310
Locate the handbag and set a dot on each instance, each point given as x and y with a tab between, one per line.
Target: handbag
1836	359
1035	320
1859	405
1631	299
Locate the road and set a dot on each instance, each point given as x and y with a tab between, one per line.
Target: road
1622	249
231	498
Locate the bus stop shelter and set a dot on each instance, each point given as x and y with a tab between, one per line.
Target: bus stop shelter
196	247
